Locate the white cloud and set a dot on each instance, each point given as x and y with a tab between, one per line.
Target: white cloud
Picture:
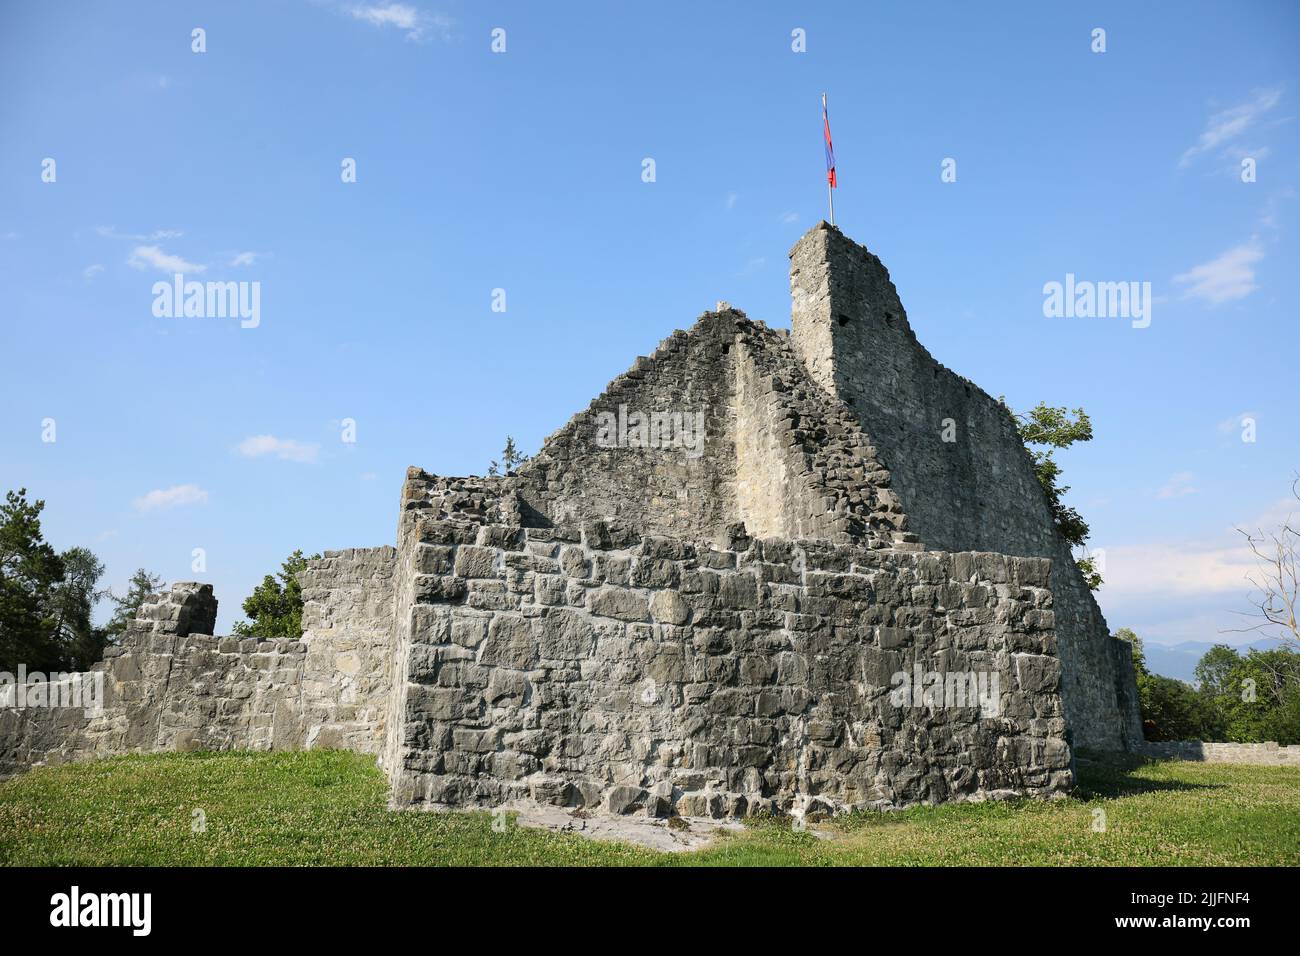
259	446
110	232
1176	569
1230	276
1226	125
415	24
731	200
92	270
790	217
163	499
1178	486
152	257
1191	567
244	259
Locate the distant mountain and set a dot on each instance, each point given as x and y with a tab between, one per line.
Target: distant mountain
1180	660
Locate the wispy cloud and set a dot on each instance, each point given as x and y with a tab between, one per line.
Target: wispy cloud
1176	569
259	446
92	270
243	259
110	232
164	499
1227	125
731	200
790	217
415	24
1190	568
1223	279
153	257
1179	485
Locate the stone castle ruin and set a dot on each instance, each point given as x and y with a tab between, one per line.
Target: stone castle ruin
752	575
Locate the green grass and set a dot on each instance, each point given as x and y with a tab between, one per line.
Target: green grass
328	807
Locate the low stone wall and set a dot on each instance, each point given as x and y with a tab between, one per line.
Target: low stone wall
1267	754
658	675
165	688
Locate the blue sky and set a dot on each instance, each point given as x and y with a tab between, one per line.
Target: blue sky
522	171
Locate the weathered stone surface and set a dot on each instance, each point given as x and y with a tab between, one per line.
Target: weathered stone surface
721	700
619	603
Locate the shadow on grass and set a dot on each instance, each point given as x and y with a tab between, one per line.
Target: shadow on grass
1101	774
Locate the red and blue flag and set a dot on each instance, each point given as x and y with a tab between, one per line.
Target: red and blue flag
830	150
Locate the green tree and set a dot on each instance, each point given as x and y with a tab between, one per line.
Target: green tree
1173	710
72	601
29	569
274	608
1258	698
142	585
1215	669
1044	429
510	460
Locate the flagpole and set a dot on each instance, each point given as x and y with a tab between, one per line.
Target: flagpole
830	192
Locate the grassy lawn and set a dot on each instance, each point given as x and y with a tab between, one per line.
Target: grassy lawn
328	807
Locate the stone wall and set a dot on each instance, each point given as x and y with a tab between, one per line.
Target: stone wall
347	624
776	453
805	469
976	492
167	687
1267	754
586	669
584	470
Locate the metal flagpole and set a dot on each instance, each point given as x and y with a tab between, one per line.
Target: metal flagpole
830	192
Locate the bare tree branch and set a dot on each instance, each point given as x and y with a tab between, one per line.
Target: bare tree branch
1276	579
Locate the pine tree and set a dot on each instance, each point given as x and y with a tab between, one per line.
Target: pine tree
274	608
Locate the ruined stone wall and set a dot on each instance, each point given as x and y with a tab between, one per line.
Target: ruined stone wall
167	687
805	469
776	453
1264	754
664	488
348	631
977	492
660	675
